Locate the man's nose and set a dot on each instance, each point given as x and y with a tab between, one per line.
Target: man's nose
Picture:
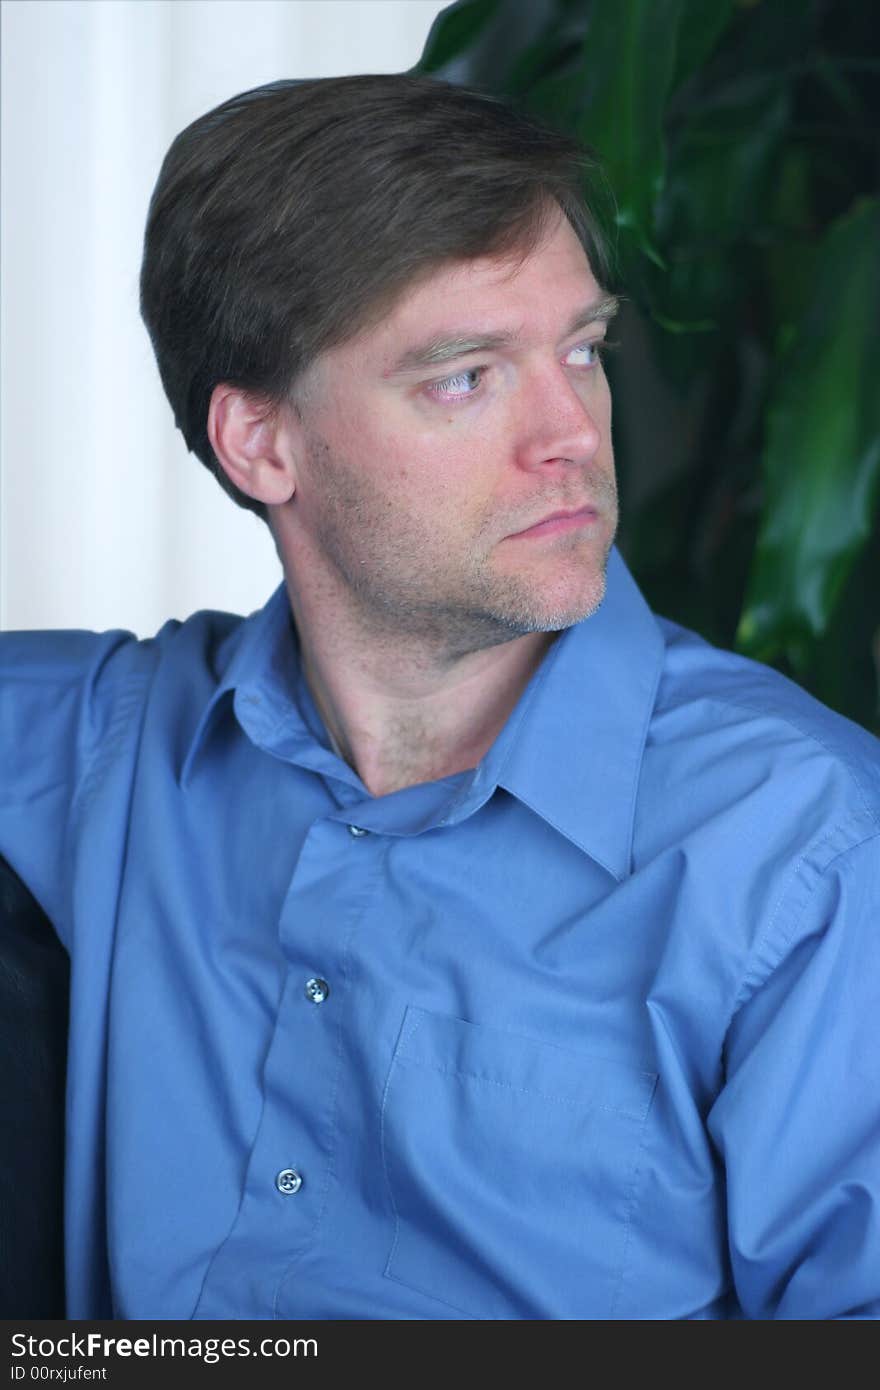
559	424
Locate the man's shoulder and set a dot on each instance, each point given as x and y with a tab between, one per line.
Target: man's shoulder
83	688
740	717
78	710
64	657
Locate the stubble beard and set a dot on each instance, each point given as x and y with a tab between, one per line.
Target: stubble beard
393	596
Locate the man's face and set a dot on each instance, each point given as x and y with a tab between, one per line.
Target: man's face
438	442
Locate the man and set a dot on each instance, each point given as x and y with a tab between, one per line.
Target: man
453	938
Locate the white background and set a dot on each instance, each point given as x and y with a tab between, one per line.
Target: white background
105	520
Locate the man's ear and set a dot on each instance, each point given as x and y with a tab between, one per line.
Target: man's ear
254	443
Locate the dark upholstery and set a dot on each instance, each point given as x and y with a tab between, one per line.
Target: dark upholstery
34	976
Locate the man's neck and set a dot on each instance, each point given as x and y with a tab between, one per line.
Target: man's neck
403	710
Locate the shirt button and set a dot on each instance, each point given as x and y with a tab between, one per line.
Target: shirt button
288	1181
356	830
317	990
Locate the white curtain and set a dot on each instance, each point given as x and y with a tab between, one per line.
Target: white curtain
106	521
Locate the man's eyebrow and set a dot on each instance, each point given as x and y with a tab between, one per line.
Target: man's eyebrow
600	311
447	348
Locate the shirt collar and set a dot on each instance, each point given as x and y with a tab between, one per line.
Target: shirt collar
259	667
571	750
576	755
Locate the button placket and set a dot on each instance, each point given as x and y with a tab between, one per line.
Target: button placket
302	1109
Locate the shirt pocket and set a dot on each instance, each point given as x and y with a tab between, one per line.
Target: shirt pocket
512	1166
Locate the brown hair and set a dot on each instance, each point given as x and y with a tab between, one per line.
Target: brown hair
294	215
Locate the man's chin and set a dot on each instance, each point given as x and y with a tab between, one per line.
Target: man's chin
553	612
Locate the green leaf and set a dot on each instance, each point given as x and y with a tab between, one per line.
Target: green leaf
453	31
628	63
845	670
722	168
553	52
555	99
822	457
481	43
701	26
718	201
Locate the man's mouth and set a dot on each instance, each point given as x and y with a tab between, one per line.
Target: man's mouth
555	523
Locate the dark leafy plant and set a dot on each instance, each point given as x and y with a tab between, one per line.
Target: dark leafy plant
742	145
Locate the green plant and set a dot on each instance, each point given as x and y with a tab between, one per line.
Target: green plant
741	144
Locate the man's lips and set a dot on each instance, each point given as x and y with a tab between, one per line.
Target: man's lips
556	522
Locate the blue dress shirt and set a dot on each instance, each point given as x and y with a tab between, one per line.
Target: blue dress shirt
590	1031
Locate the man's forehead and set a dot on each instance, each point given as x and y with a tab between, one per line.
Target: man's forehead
499	280
480	304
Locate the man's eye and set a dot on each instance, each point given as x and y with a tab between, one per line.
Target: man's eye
458	387
591	353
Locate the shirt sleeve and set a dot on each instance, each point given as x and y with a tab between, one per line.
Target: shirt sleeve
60	693
798	1120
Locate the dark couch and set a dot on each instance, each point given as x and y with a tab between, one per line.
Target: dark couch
34	976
